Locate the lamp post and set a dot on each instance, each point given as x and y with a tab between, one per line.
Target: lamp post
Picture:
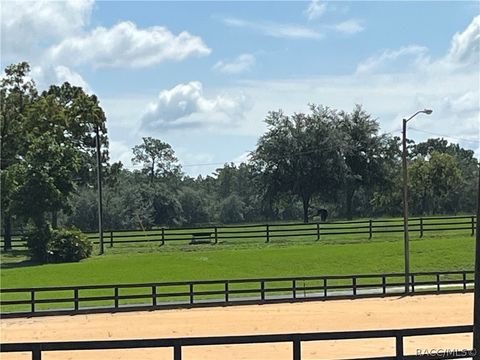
99	184
405	198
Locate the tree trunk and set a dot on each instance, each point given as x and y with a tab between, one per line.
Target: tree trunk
152	170
42	237
349	202
7	236
306	206
424	203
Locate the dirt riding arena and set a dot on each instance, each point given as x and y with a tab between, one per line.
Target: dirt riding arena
389	313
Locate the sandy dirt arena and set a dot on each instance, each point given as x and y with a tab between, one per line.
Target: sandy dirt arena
389	313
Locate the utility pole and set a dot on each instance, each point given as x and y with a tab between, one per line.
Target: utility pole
99	184
406	240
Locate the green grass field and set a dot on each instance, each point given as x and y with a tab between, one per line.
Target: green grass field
243	258
252	257
153	264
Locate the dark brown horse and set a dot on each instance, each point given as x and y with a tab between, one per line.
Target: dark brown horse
323	213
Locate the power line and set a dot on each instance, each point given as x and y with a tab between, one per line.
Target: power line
210	164
320	148
446	136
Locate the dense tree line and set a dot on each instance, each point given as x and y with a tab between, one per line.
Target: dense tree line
335	160
326	158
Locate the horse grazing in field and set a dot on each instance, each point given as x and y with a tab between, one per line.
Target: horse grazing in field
323	213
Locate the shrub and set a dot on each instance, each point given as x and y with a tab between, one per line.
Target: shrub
37	241
69	246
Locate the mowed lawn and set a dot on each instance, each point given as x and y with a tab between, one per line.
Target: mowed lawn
454	251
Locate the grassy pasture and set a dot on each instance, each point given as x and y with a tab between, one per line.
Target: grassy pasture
220	262
245	257
151	263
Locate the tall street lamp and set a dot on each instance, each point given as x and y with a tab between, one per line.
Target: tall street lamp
99	184
405	198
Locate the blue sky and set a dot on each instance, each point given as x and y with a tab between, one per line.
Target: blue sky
203	75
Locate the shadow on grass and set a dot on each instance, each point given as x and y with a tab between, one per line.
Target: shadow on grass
15	259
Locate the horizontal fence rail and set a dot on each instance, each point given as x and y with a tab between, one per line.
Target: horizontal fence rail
296	340
21	302
271	232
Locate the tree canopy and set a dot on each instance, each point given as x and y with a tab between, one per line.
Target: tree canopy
49	139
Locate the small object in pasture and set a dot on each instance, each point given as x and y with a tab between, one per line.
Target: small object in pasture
201	238
323	213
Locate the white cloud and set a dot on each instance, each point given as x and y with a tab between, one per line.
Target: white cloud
27	25
349	27
389	97
465	46
242	158
315	9
119	151
195	163
463	56
47	75
126	45
243	62
392	85
277	30
185	106
392	60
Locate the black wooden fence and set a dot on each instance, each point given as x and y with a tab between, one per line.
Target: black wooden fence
177	344
40	301
271	232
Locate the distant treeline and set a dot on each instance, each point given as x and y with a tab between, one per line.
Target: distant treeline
442	181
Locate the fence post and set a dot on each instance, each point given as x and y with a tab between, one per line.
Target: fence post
226	292
177	352
268	233
191	293
318	231
399	347
32	299
325	287
473	225
37	352
294	289
262	290
438	283
75	299
111	239
354	285
464	278
115	295
154	295
412	279
216	235
163	237
370	230
384	284
421	227
297	349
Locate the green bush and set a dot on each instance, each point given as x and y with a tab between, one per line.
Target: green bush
37	241
69	246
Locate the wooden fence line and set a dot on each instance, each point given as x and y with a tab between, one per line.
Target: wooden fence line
270	232
180	294
296	339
